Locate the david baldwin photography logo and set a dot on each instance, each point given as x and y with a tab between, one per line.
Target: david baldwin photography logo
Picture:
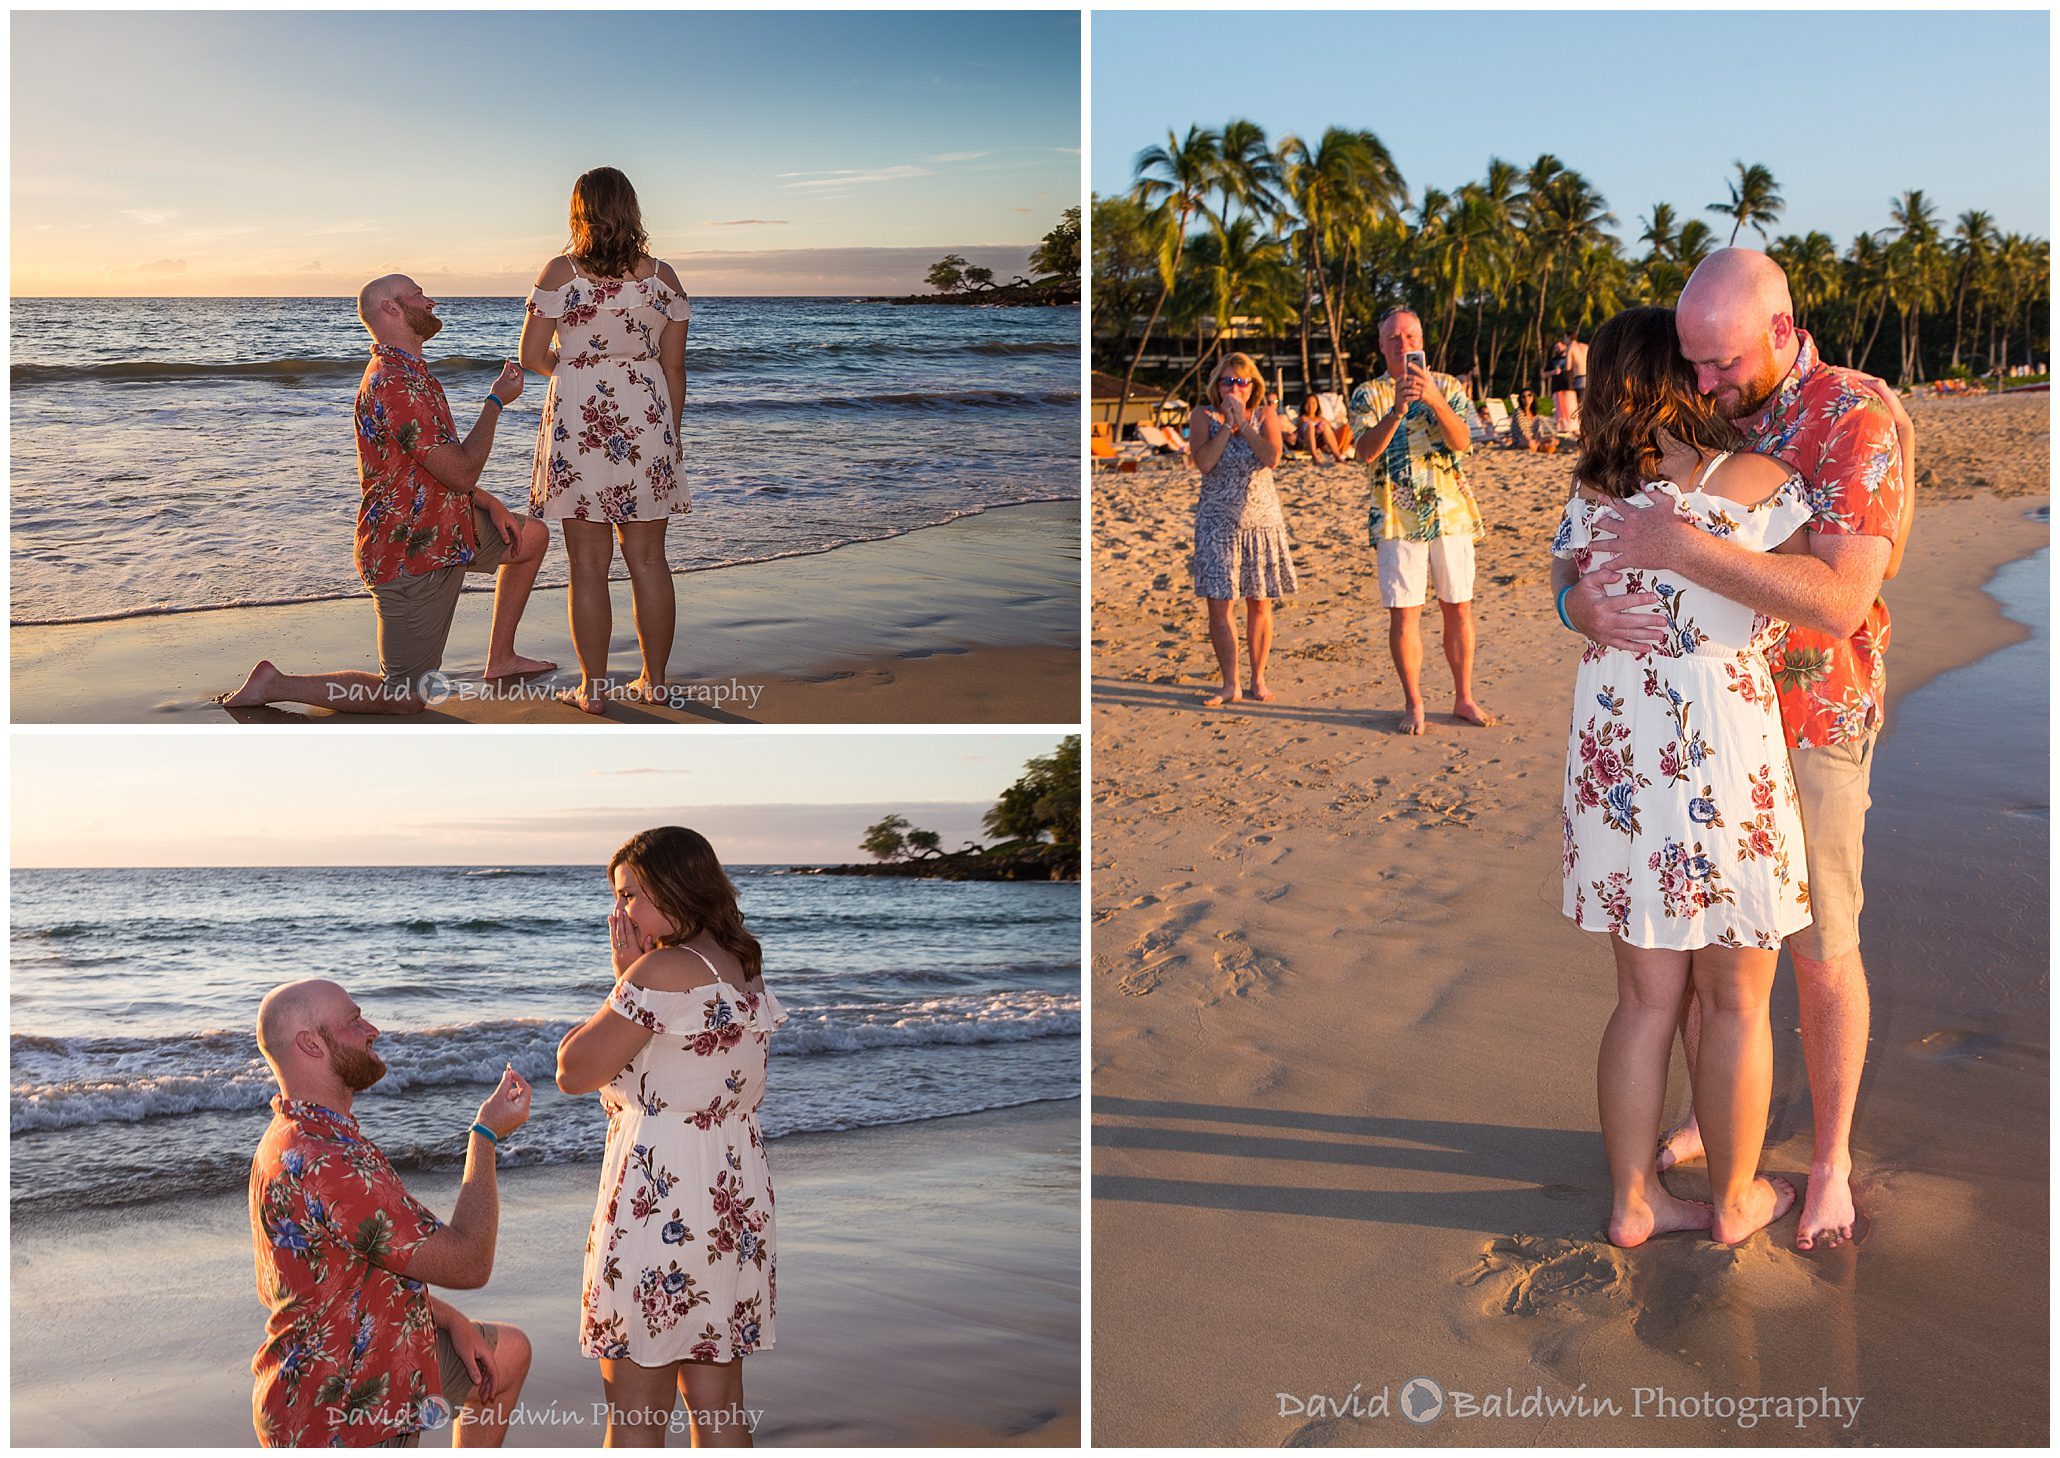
1424	1400
437	687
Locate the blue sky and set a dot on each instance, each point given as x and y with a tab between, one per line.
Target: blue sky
256	153
174	799
1847	108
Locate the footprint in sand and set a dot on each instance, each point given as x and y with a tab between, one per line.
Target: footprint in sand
1551	1275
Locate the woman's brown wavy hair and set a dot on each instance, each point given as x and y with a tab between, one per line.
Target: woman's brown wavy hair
1639	385
681	875
608	235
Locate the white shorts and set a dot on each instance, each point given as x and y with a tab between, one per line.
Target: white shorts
1406	565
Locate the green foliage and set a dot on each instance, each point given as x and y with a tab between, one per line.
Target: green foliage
887	838
948	274
1045	803
1059	254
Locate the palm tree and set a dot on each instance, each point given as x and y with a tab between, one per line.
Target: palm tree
1753	200
1659	232
1247	174
1567	217
1344	182
1973	240
1464	256
1175	181
1919	278
1811	263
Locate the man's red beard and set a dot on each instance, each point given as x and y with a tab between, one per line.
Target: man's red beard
424	323
358	1068
1753	396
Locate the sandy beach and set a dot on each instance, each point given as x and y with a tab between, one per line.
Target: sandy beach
929	1294
1344	1042
974	621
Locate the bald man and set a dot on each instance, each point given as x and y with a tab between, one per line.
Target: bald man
356	1351
424	522
1848	436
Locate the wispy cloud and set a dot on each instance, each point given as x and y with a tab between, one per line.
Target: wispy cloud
956	156
1069	151
150	217
163	265
844	177
749	223
312	267
642	770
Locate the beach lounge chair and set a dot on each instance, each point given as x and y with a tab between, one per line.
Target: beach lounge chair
1170	441
1498	420
1331	407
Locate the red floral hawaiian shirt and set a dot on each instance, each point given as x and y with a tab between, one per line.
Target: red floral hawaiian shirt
409	522
350	1345
1843	442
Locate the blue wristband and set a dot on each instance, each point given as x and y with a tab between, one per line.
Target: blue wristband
1561	603
491	1137
496	399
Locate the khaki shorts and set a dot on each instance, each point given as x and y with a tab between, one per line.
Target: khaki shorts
1832	784
1405	566
415	612
457	1379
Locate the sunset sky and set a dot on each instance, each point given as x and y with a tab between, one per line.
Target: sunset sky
271	154
171	799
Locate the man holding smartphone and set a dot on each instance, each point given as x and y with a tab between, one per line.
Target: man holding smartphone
1413	427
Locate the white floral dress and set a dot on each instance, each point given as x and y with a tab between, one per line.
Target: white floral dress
680	1259
606	450
1680	824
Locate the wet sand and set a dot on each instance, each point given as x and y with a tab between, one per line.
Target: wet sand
929	1293
975	621
1344	1042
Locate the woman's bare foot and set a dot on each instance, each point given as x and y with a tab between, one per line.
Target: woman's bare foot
1260	692
256	689
587	698
515	665
1472	713
1634	1224
1221	697
1766	1201
644	691
1411	721
1683	1146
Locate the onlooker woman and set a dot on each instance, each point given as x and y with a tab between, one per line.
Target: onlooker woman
1241	542
1318	436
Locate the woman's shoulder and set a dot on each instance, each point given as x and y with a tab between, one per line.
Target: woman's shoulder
670	969
555	274
666	275
1747	477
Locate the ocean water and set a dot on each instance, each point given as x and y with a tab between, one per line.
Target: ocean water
171	454
134	1073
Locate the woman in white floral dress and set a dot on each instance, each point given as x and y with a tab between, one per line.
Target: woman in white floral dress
608	449
1682	834
681	1260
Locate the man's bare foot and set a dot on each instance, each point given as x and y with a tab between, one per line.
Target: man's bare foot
1472	713
1827	1213
587	698
644	691
1411	721
1765	1202
1633	1225
1221	697
515	665
1683	1146
1260	692
256	690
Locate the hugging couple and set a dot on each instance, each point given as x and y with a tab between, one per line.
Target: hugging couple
607	324
1737	505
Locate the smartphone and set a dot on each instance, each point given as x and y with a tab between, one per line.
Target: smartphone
1412	357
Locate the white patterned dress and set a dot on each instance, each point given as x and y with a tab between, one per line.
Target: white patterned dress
1680	824
605	450
680	1259
1241	540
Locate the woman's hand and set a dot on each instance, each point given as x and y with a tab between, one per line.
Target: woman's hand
626	942
1234	411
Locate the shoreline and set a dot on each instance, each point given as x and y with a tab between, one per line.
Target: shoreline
946	1313
1338	1012
972	620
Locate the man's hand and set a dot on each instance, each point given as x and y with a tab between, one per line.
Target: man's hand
509	385
475	1353
1654	536
1624	621
502	518
507	1109
626	942
1413	385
